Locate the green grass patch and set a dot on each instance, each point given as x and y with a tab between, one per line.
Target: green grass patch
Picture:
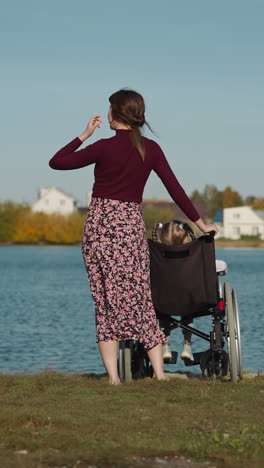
77	421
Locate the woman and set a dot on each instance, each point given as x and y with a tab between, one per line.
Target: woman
114	247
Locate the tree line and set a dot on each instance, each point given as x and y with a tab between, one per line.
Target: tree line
19	225
216	200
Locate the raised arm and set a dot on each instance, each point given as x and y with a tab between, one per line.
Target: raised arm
68	158
177	193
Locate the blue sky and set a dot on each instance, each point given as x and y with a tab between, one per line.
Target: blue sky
198	63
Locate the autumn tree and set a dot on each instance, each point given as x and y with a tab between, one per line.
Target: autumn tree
9	211
41	228
249	200
231	198
64	229
211	197
258	204
216	200
29	228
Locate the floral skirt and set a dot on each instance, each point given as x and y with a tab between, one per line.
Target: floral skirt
116	257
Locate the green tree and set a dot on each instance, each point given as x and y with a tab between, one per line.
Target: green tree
213	199
153	214
197	197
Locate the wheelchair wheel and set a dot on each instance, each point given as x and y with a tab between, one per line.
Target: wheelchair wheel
124	360
132	361
231	334
238	337
214	363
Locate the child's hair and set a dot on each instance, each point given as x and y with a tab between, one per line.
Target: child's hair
172	232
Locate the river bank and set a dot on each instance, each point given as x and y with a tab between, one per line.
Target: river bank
219	243
239	244
55	420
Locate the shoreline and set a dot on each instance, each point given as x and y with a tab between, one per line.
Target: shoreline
238	244
177	374
221	243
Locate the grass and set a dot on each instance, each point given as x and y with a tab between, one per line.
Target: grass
59	420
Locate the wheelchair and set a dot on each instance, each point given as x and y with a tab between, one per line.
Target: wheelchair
185	283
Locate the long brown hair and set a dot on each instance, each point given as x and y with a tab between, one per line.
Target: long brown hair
128	107
172	232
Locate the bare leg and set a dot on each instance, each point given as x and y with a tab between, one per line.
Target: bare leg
156	357
108	350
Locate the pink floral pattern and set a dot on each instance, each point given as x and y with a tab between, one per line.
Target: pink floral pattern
116	257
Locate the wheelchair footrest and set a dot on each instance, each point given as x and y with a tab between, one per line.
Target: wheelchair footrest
173	359
197	358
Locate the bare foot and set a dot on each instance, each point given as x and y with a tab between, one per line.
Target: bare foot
161	377
114	382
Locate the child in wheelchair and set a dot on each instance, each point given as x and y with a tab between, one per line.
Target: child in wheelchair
186	282
176	233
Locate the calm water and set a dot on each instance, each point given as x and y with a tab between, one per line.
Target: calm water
47	315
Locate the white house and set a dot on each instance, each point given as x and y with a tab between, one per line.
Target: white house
52	200
243	220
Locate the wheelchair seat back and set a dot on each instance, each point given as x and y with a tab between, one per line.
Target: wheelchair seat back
183	278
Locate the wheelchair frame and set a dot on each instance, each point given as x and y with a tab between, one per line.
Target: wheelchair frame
133	361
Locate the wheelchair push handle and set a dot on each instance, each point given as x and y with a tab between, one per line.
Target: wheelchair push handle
212	233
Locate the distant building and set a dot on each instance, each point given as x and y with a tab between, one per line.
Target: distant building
243	220
218	220
52	200
218	217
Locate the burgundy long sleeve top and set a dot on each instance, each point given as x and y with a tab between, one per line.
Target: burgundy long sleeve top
120	173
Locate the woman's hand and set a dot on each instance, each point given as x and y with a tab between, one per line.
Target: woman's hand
94	122
206	227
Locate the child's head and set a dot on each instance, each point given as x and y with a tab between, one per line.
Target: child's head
174	232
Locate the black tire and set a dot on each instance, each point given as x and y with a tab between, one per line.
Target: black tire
231	334
214	363
124	360
238	337
138	358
